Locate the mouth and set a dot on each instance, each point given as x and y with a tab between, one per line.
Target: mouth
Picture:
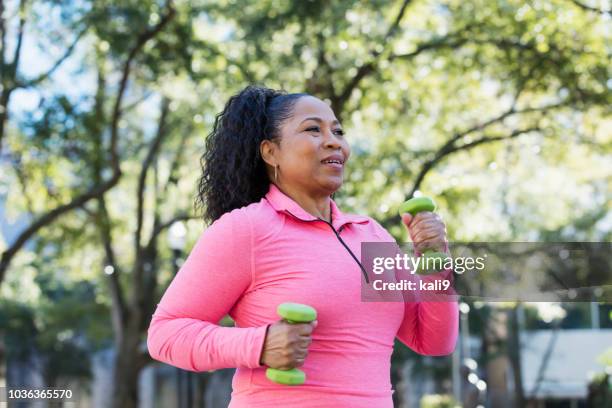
334	163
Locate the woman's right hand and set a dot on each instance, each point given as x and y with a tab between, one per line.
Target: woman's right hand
286	345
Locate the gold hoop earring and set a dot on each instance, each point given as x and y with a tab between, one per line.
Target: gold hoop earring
276	173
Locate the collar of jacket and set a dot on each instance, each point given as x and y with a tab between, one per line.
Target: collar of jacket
281	203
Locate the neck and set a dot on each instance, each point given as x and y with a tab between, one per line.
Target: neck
317	205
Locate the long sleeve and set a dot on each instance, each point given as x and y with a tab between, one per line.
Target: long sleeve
184	330
429	327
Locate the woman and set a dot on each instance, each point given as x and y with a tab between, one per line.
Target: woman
272	163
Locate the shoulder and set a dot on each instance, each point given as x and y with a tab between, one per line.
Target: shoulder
376	229
256	218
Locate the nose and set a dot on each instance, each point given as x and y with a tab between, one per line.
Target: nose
332	141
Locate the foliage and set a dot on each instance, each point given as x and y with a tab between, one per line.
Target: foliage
438	401
500	109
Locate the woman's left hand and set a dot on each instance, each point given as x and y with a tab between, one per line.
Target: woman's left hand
427	231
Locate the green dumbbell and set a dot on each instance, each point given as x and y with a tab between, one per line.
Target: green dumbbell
413	207
292	313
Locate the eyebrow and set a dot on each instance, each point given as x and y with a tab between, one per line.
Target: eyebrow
319	120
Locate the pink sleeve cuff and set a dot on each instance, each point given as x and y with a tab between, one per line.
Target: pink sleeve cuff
258	339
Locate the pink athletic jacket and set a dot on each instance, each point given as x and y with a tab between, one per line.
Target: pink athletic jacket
254	258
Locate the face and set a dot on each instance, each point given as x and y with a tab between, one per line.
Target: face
313	150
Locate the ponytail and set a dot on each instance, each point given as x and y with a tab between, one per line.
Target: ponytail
233	172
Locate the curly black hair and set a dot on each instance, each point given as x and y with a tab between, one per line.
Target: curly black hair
233	171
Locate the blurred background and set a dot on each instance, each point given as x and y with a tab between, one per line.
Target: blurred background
499	109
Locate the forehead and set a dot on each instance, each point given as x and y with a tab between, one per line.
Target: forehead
309	106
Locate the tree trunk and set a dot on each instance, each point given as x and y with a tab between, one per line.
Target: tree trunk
497	362
127	367
200	389
4	101
514	348
3	371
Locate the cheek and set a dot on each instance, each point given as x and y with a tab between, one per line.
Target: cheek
301	154
346	148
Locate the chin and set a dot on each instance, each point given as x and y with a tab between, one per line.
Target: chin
332	186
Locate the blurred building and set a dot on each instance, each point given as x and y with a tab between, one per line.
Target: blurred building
557	361
557	367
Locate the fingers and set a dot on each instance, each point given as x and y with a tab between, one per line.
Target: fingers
425	218
427	227
435	233
407	219
304	341
295	356
427	230
303	329
436	245
299	362
289	348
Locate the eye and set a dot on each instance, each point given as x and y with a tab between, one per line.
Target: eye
339	132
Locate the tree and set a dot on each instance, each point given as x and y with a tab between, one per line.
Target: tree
450	98
49	216
84	144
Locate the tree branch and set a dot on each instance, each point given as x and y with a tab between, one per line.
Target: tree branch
545	359
144	359
148	289
49	217
97	191
5	96
118	309
17	52
452	40
144	294
398	19
2	41
24	186
153	149
321	80
8	71
450	146
161	227
448	41
489	139
172	177
590	8
369	67
149	281
248	75
430	164
126	108
448	149
142	40
143	259
40	78
12	83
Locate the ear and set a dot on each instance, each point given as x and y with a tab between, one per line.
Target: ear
268	151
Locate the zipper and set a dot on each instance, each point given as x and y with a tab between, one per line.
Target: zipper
337	233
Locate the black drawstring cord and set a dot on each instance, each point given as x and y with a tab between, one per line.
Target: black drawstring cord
365	274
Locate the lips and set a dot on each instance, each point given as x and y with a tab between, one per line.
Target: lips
335	160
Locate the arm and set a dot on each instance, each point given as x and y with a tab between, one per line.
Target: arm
429	327
184	330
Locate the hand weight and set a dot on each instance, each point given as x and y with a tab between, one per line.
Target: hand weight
292	313
413	207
